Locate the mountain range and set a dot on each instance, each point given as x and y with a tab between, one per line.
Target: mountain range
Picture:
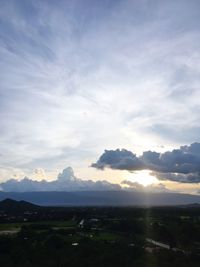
102	198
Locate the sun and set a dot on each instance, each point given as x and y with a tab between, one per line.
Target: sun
143	177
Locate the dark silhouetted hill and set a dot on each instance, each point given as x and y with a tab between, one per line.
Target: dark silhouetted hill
9	204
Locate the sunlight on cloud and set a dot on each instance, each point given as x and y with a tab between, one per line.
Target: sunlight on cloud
143	177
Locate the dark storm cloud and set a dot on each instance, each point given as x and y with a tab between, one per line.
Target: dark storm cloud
182	178
181	165
119	159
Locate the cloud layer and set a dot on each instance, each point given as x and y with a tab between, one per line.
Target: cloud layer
180	165
66	181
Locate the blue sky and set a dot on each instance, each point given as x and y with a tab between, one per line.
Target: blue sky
78	77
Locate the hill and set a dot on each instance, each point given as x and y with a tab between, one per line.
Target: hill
13	205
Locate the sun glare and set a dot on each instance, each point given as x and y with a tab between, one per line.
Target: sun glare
143	177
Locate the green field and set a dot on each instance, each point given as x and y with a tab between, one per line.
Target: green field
58	224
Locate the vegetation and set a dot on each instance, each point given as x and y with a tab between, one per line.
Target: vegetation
51	236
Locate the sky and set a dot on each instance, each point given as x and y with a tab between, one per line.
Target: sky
81	77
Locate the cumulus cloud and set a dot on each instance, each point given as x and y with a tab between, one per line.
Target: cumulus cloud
39	173
176	177
119	159
149	188
181	165
66	181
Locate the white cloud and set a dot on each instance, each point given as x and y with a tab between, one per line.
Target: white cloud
128	185
66	181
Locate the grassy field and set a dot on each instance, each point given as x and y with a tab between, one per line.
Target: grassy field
56	224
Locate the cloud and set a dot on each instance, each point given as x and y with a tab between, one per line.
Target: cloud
64	65
119	159
39	173
181	165
132	185
66	181
149	188
181	178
